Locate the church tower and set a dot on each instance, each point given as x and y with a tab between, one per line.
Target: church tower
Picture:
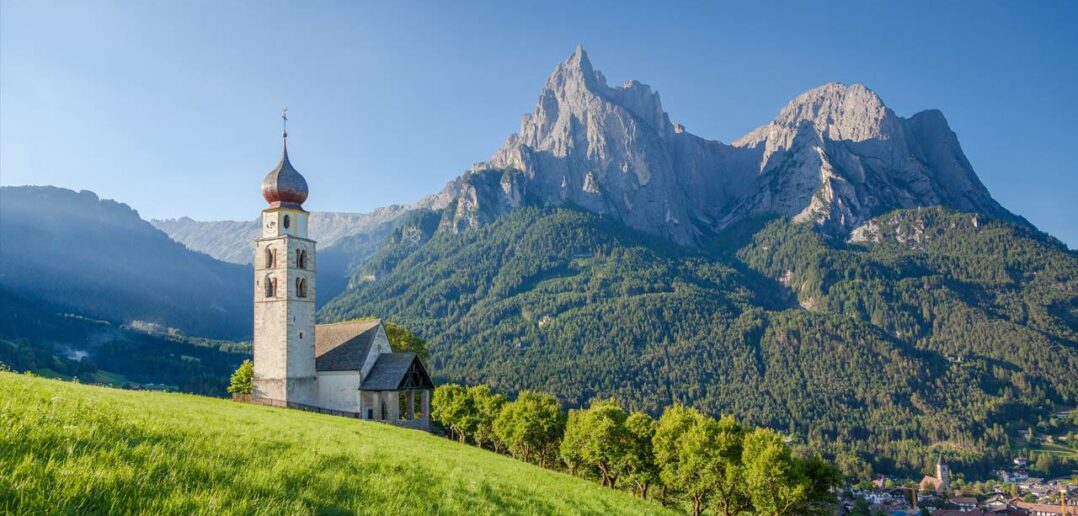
943	473
284	291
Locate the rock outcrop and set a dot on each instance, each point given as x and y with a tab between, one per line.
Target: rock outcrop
835	156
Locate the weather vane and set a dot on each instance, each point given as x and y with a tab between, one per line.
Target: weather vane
284	121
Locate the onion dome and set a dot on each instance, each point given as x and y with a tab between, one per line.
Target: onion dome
284	186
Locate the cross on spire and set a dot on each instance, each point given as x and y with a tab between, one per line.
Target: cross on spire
284	122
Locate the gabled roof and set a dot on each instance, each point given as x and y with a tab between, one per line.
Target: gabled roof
397	372
343	346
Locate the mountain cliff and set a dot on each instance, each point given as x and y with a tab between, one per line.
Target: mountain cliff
835	156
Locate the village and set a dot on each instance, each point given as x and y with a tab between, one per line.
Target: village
1012	492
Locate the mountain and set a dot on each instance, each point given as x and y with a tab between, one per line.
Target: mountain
97	258
835	156
934	329
232	241
344	240
839	273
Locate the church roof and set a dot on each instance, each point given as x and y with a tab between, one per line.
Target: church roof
343	346
284	186
397	372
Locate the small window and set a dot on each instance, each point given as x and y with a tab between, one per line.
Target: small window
301	258
301	287
271	287
271	257
287	221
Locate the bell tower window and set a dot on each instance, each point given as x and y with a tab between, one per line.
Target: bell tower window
271	256
301	258
301	287
271	286
287	221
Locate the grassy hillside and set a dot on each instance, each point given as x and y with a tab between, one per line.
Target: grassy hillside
80	449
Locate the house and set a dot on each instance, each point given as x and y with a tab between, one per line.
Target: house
1045	509
996	502
965	503
345	368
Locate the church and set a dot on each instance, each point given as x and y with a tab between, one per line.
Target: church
941	483
347	368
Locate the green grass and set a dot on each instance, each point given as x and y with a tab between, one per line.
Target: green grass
1059	449
107	378
69	448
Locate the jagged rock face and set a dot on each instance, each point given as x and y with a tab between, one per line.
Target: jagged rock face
835	156
607	149
478	197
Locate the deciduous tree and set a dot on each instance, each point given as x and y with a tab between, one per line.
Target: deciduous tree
531	425
243	379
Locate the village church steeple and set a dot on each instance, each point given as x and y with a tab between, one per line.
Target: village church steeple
284	318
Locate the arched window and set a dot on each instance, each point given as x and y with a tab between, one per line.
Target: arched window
287	221
271	256
301	287
301	258
271	286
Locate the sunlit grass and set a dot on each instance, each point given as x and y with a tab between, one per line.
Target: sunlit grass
80	449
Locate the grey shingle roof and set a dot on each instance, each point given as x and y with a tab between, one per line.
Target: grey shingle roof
392	370
343	346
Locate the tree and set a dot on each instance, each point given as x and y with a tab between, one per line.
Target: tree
638	463
487	406
775	480
452	407
823	477
531	424
861	507
700	457
571	449
597	437
403	340
243	378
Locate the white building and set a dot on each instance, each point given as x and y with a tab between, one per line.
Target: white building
347	367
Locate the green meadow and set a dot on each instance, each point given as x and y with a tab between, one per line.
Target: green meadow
70	448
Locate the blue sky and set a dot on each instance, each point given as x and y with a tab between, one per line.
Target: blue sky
173	107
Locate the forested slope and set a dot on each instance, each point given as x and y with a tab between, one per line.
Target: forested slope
873	351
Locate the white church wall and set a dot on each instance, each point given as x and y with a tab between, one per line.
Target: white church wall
339	390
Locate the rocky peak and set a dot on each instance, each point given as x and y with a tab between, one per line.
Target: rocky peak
575	74
836	111
841	112
834	156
